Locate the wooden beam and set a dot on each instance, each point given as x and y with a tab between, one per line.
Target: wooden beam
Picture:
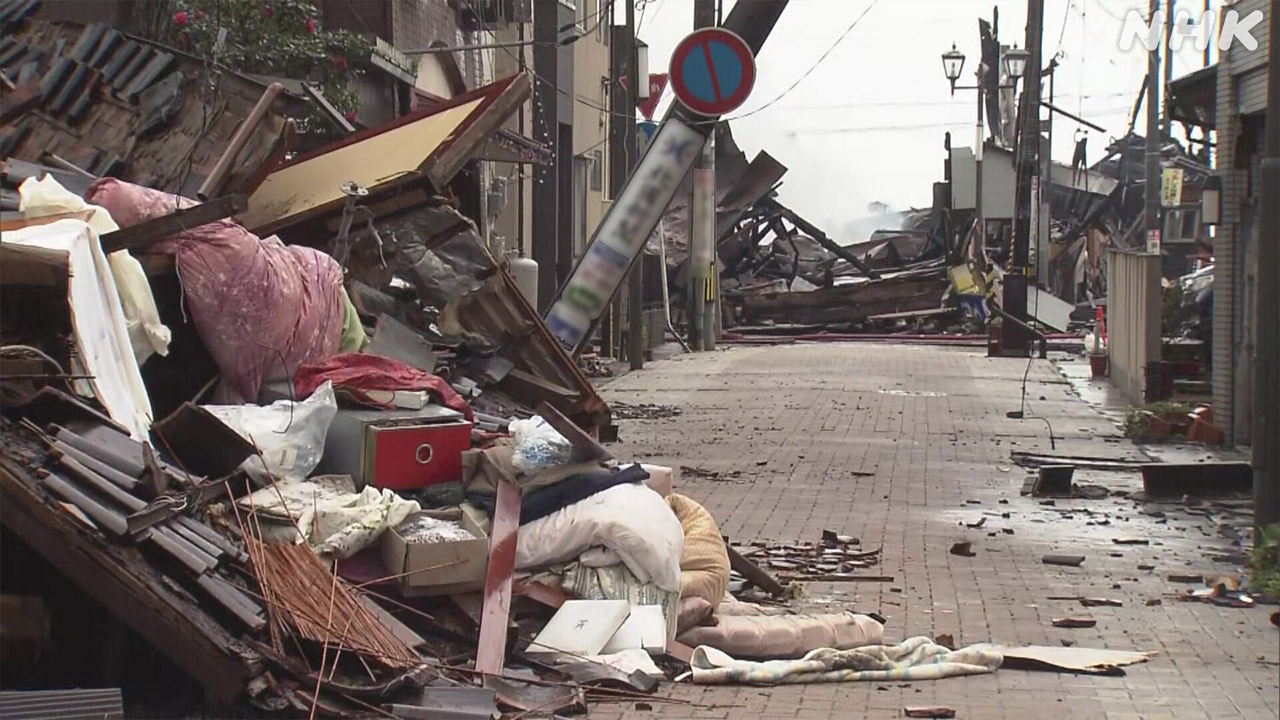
441	169
816	233
150	231
753	572
587	447
491	652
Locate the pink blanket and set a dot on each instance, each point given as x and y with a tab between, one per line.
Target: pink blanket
261	308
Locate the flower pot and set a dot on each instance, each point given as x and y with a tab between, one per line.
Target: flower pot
1098	364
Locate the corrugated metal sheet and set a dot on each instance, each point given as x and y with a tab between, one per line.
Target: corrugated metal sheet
102	704
1134	283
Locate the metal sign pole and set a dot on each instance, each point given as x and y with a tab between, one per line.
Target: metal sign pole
617	242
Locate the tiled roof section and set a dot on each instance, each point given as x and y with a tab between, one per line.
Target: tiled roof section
114	104
13	12
69	77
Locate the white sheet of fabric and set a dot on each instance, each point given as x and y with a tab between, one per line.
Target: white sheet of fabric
631	520
917	658
101	334
333	518
147	334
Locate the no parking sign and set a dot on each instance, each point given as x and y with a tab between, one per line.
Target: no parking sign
712	71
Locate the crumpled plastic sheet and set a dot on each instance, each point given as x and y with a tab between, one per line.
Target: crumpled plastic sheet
289	435
330	515
261	308
538	446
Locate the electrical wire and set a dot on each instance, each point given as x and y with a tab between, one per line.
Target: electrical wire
940	103
812	67
1108	112
1063	33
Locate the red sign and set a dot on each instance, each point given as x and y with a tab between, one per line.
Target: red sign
657	85
712	71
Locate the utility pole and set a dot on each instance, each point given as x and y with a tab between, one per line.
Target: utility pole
520	166
702	220
1266	362
1014	337
1168	67
1152	195
1046	182
979	144
635	284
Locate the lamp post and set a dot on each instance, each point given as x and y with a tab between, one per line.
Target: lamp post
1015	63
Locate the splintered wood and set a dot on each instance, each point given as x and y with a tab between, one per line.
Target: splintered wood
302	593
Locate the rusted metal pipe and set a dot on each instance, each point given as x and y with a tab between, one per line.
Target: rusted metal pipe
213	184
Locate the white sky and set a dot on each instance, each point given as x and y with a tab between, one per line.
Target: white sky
867	124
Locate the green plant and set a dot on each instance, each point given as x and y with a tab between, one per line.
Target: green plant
1264	562
1137	421
276	37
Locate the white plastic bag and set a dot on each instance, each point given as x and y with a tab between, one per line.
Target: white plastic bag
538	446
289	434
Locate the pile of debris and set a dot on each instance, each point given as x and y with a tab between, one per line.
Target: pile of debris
376	486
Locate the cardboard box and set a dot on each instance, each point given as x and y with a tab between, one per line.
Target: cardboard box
456	567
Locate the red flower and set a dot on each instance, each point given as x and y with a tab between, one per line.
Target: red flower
180	18
350	115
339	63
199	15
269	11
311	26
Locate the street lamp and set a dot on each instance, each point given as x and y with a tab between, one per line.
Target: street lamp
952	63
1015	64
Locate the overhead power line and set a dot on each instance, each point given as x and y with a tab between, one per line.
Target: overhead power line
812	67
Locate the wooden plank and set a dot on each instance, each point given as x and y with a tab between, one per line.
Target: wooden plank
753	572
150	231
128	587
492	649
443	166
587	447
1200	479
22	222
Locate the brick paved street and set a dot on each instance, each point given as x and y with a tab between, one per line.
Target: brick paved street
777	434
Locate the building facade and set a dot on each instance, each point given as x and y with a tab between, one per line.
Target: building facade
1241	110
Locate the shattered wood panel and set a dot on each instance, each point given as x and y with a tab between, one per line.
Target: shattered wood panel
846	303
311	185
431	144
439	252
121	579
500	313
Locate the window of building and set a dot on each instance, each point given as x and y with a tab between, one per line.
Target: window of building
582	168
597	171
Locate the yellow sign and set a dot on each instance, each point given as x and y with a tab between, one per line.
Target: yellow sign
1171	187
